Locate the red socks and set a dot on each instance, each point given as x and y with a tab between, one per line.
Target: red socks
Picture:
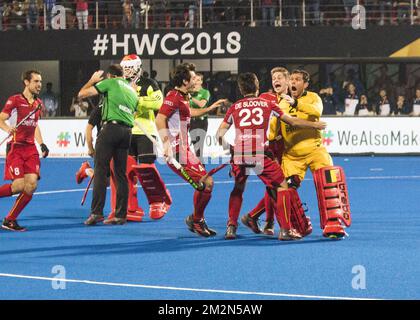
235	204
283	208
5	190
20	203
258	210
201	199
269	207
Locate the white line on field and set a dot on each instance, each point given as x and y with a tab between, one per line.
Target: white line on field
178	184
131	285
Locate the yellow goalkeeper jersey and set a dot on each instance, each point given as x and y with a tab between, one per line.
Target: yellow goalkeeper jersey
298	141
150	100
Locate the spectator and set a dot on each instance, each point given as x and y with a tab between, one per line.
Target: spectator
82	14
328	101
137	13
70	14
403	11
383	106
416	104
291	9
127	8
2	10
402	107
175	15
208	11
348	6
49	4
313	13
32	14
351	100
17	16
384	11
158	9
192	9
79	107
363	108
268	12
103	13
49	98
383	81
353	78
337	92
114	9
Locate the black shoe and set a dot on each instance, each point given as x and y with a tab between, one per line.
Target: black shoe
230	232
94	219
12	225
116	221
200	228
269	228
251	223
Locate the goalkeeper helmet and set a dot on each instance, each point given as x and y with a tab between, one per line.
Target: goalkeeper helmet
131	65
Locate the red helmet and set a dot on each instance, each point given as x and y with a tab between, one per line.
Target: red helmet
131	65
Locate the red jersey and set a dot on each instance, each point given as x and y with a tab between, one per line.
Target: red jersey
176	107
251	117
18	107
270	96
276	146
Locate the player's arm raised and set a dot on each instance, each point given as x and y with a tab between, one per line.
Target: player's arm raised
300	123
89	89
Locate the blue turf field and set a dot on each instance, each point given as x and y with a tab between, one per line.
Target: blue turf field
163	260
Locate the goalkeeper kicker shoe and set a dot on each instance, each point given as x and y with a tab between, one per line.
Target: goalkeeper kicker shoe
334	230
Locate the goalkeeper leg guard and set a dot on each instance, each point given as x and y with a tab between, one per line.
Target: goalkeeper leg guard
333	201
156	192
134	211
299	220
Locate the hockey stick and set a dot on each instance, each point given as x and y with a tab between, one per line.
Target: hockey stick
22	121
199	186
86	191
218	168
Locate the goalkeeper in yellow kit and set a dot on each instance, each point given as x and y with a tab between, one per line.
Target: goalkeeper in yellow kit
303	147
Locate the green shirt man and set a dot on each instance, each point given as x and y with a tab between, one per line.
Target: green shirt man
201	96
120	100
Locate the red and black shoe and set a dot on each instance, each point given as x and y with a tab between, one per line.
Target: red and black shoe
81	173
12	225
251	223
200	227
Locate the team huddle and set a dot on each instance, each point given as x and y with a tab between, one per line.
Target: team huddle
277	138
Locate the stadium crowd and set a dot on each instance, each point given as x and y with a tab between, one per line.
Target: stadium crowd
37	14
